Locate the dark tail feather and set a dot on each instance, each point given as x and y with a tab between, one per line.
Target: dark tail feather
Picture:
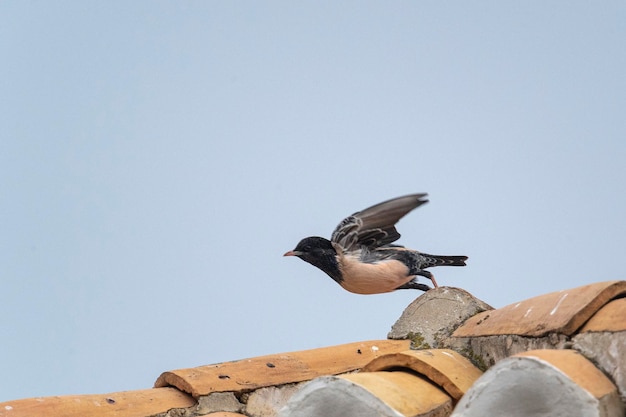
443	260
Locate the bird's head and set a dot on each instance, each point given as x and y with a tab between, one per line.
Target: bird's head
318	252
312	247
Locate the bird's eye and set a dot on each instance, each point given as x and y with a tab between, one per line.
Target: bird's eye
307	248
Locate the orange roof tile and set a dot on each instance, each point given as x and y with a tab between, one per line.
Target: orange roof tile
610	318
578	368
446	368
263	371
558	312
405	392
542	382
384	394
139	403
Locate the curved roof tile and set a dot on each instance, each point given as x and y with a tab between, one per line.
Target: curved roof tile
558	312
610	318
444	367
375	394
248	374
139	403
542	383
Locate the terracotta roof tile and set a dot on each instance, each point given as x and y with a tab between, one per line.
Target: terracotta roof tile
381	394
610	318
122	404
405	392
446	368
577	368
263	371
542	383
411	383
558	312
603	340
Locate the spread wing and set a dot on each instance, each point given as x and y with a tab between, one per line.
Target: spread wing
375	226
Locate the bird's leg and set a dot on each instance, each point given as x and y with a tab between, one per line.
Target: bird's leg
428	275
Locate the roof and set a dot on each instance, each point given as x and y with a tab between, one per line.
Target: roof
263	371
455	355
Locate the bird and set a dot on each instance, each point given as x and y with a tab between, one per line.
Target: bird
361	257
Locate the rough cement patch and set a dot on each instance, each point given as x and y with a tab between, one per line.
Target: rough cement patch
485	351
178	412
267	402
218	401
434	316
608	351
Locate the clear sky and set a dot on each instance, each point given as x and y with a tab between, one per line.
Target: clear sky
157	158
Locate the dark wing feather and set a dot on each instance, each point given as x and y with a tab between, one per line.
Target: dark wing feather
375	226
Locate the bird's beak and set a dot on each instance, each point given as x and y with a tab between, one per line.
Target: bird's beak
292	253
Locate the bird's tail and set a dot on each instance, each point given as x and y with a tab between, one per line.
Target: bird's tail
443	260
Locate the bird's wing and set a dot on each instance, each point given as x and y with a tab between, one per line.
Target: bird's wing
375	226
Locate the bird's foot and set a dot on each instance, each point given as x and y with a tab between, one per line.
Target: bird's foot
414	285
430	276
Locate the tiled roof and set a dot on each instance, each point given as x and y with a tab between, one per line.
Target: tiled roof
561	312
444	367
381	394
422	382
128	404
610	318
279	369
559	353
542	383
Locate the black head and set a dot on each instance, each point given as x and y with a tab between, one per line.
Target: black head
318	252
311	245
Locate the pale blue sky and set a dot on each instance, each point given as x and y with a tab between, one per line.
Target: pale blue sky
157	159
